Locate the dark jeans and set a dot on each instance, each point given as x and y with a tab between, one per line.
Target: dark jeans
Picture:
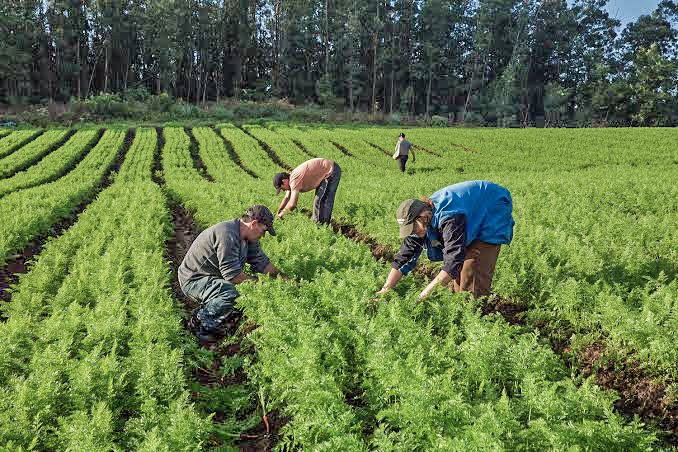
402	160
216	297
324	197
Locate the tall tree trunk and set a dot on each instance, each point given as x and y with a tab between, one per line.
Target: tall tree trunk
327	40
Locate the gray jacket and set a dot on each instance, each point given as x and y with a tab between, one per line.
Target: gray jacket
404	147
219	251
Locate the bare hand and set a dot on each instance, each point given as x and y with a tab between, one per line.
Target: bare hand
383	291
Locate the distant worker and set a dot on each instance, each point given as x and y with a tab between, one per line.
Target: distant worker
462	225
214	265
321	175
402	149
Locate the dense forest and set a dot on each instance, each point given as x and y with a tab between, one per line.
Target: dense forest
501	62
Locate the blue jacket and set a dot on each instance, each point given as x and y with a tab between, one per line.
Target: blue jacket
487	208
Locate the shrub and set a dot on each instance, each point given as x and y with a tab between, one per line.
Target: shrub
106	105
438	121
161	102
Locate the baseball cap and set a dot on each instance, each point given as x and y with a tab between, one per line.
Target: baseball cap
278	180
262	215
408	211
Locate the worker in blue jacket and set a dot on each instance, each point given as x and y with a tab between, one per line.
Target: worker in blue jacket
462	225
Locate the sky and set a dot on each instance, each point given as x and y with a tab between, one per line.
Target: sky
629	10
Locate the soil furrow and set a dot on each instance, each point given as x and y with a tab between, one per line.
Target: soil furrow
428	151
304	149
467	149
234	155
185	230
42	154
378	148
22	144
194	149
342	148
18	263
271	153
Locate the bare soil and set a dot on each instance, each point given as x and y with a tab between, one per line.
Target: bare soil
342	149
265	435
379	148
429	151
195	154
304	149
638	393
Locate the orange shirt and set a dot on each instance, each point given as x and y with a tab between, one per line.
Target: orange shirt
308	175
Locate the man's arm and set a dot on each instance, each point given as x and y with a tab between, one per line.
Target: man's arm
454	236
242	277
414	157
391	281
404	261
291	204
283	203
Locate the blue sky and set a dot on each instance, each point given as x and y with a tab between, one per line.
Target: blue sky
629	10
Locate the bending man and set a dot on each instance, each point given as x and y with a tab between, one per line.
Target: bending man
214	264
462	225
321	175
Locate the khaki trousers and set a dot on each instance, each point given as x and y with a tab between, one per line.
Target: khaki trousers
476	273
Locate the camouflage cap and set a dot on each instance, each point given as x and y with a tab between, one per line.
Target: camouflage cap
262	215
408	211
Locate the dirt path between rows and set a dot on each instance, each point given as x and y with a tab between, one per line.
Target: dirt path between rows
19	262
264	436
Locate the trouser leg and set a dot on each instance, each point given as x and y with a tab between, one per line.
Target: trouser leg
478	269
217	301
402	160
324	197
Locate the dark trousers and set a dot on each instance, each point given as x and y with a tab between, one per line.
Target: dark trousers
324	197
402	160
216	298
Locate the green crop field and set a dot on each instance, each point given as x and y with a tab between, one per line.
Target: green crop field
575	350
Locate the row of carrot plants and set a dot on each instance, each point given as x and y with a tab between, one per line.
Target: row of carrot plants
353	375
54	164
91	354
33	151
31	212
595	242
16	140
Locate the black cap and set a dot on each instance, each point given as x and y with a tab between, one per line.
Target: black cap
262	215
278	180
408	211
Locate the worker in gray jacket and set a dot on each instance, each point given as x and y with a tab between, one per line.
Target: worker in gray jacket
402	151
214	265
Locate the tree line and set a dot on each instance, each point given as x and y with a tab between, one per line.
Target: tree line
501	62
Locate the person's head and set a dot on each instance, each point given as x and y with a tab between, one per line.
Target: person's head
281	181
414	216
255	222
402	136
